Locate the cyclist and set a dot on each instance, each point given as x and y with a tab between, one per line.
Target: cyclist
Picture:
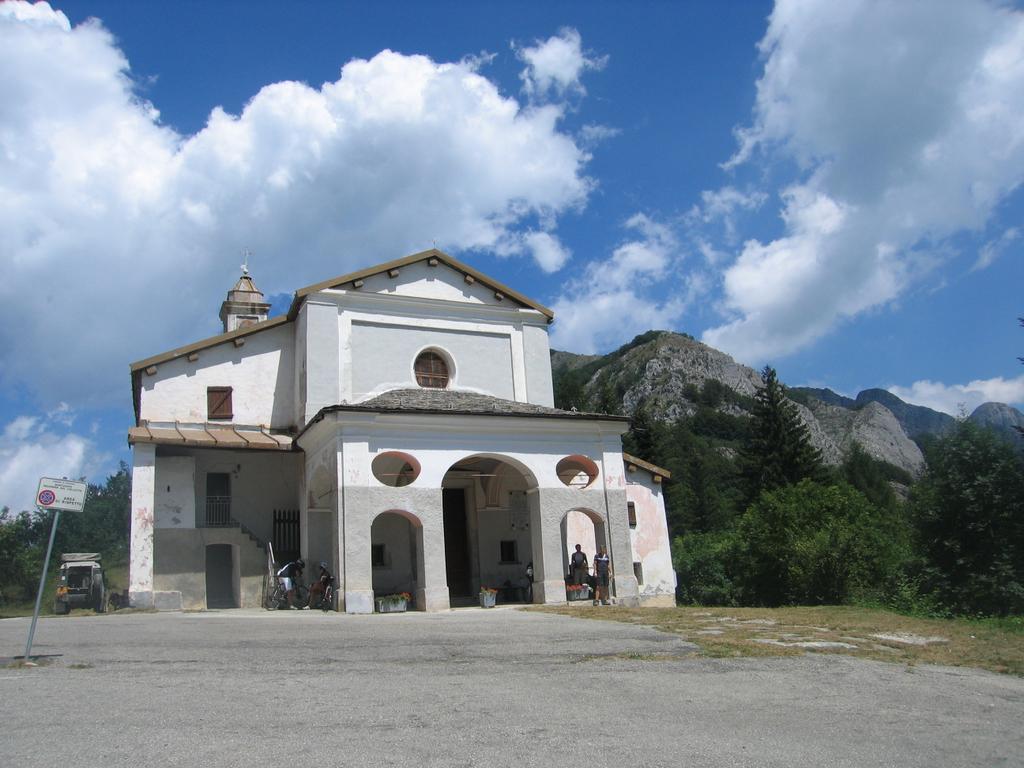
319	587
288	576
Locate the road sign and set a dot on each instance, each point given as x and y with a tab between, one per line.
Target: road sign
68	495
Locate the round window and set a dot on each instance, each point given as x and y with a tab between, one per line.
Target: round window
395	468
576	471
431	370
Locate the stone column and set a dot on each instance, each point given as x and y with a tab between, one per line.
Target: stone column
433	593
354	523
140	568
624	587
546	512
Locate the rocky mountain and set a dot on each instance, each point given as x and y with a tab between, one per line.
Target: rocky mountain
916	420
673	374
1005	420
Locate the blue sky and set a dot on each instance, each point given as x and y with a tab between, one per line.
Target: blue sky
830	188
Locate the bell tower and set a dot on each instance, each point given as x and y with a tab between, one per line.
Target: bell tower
244	305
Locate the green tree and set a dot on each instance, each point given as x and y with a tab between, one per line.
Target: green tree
779	451
872	477
968	516
22	538
102	526
702	562
815	544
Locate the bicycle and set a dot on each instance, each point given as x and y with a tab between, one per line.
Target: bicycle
277	598
325	602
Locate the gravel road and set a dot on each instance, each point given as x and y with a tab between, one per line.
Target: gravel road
471	687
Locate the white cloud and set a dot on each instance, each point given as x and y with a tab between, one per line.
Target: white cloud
906	119
592	134
993	249
119	237
556	65
30	449
952	398
547	251
615	299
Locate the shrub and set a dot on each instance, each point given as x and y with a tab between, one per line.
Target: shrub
816	544
702	562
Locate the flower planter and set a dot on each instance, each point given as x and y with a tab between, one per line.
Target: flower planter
578	594
391	606
487	599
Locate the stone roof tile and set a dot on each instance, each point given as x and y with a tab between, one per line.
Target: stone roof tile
454	401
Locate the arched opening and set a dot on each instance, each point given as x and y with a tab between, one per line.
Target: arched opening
576	471
585	528
222	576
396	553
487	536
395	468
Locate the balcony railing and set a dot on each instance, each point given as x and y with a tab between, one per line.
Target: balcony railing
218	511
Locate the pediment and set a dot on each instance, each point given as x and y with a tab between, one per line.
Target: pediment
429	275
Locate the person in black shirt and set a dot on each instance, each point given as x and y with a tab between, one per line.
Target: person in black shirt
317	588
288	576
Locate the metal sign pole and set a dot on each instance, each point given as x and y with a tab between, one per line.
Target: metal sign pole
42	586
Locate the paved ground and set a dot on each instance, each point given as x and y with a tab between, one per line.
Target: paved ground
471	688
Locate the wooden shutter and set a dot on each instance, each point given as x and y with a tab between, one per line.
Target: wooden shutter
218	403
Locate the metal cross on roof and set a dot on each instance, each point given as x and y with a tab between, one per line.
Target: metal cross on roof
246	253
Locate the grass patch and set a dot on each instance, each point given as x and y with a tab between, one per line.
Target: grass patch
115	575
993	644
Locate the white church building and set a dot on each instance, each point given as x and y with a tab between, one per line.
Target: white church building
399	423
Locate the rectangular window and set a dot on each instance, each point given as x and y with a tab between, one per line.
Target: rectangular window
508	552
631	510
218	403
638	571
377	559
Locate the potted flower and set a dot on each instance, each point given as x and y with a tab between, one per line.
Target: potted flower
396	603
577	591
488	597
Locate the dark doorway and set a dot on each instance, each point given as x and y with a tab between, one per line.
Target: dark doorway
456	541
286	535
220	576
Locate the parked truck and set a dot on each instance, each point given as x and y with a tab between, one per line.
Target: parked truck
80	583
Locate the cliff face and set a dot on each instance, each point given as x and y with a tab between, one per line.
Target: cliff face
1005	420
672	373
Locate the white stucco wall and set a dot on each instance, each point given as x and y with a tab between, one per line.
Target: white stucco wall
260	373
383	356
261	481
439	283
497	347
532	446
649	540
397	574
140	569
537	359
175	492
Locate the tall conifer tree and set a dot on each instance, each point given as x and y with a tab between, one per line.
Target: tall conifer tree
779	452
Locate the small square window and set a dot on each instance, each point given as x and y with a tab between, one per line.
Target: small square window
638	571
631	510
508	552
218	403
377	556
